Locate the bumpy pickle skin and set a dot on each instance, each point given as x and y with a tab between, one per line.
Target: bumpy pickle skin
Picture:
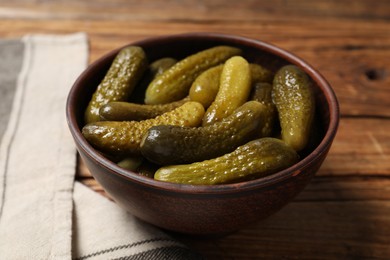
167	145
262	92
126	111
174	83
255	159
124	138
294	100
125	72
234	90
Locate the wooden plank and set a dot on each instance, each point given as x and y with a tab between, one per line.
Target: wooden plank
197	10
309	230
361	147
330	189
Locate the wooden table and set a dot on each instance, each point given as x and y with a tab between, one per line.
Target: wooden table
345	211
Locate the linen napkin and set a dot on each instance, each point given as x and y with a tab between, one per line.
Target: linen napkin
44	213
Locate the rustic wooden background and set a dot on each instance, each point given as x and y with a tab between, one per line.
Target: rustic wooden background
344	212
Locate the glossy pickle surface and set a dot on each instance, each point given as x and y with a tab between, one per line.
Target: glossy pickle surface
175	82
294	100
117	85
166	144
252	160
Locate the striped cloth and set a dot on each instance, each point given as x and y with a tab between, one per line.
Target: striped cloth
44	213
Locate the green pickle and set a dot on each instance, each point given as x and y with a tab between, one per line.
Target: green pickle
147	169
255	159
166	144
159	66
131	163
206	85
262	92
260	74
125	72
294	100
124	137
125	111
234	90
174	83
156	68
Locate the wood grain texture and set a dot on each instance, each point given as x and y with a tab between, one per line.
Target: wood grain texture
309	230
344	212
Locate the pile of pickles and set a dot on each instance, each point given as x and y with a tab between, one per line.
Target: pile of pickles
210	118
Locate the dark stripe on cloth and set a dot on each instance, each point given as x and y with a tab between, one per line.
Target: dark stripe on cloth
11	60
170	254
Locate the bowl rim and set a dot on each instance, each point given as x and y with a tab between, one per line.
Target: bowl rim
280	176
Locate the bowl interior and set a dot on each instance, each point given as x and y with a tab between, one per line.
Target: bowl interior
180	46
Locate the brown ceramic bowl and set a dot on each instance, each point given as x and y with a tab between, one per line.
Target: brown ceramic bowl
203	209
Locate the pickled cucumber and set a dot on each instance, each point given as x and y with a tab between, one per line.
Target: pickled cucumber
125	111
131	163
175	145
124	138
260	74
206	85
139	165
125	72
159	66
156	68
147	169
262	92
294	100
233	91
175	83
254	159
